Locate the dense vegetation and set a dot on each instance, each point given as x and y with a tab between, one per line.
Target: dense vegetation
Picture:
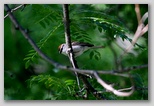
27	76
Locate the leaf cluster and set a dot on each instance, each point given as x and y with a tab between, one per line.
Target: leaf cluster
59	89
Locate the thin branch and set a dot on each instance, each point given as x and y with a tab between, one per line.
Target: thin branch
68	37
68	40
109	72
31	42
15	9
67	29
57	65
144	30
138	13
134	68
125	89
110	88
145	16
141	29
71	54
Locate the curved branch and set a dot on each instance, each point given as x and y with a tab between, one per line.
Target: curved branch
141	29
111	89
32	43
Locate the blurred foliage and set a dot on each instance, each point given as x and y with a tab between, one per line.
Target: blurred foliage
100	24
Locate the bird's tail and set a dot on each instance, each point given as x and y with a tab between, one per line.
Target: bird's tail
96	47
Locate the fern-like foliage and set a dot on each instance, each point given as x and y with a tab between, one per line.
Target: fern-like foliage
87	19
32	54
101	20
109	25
95	54
60	89
113	28
79	34
46	14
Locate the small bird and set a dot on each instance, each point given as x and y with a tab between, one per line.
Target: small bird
78	48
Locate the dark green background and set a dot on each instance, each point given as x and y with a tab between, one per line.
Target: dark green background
40	19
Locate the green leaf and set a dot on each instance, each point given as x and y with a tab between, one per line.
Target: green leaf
27	58
96	57
31	57
108	24
42	24
100	29
69	82
30	54
47	21
27	64
78	37
99	54
91	54
32	50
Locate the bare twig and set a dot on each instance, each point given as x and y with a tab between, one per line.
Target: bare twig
139	32
57	65
141	29
111	72
111	89
125	89
133	68
14	9
138	13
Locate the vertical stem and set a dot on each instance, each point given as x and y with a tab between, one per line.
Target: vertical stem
68	40
138	13
67	35
90	89
67	25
